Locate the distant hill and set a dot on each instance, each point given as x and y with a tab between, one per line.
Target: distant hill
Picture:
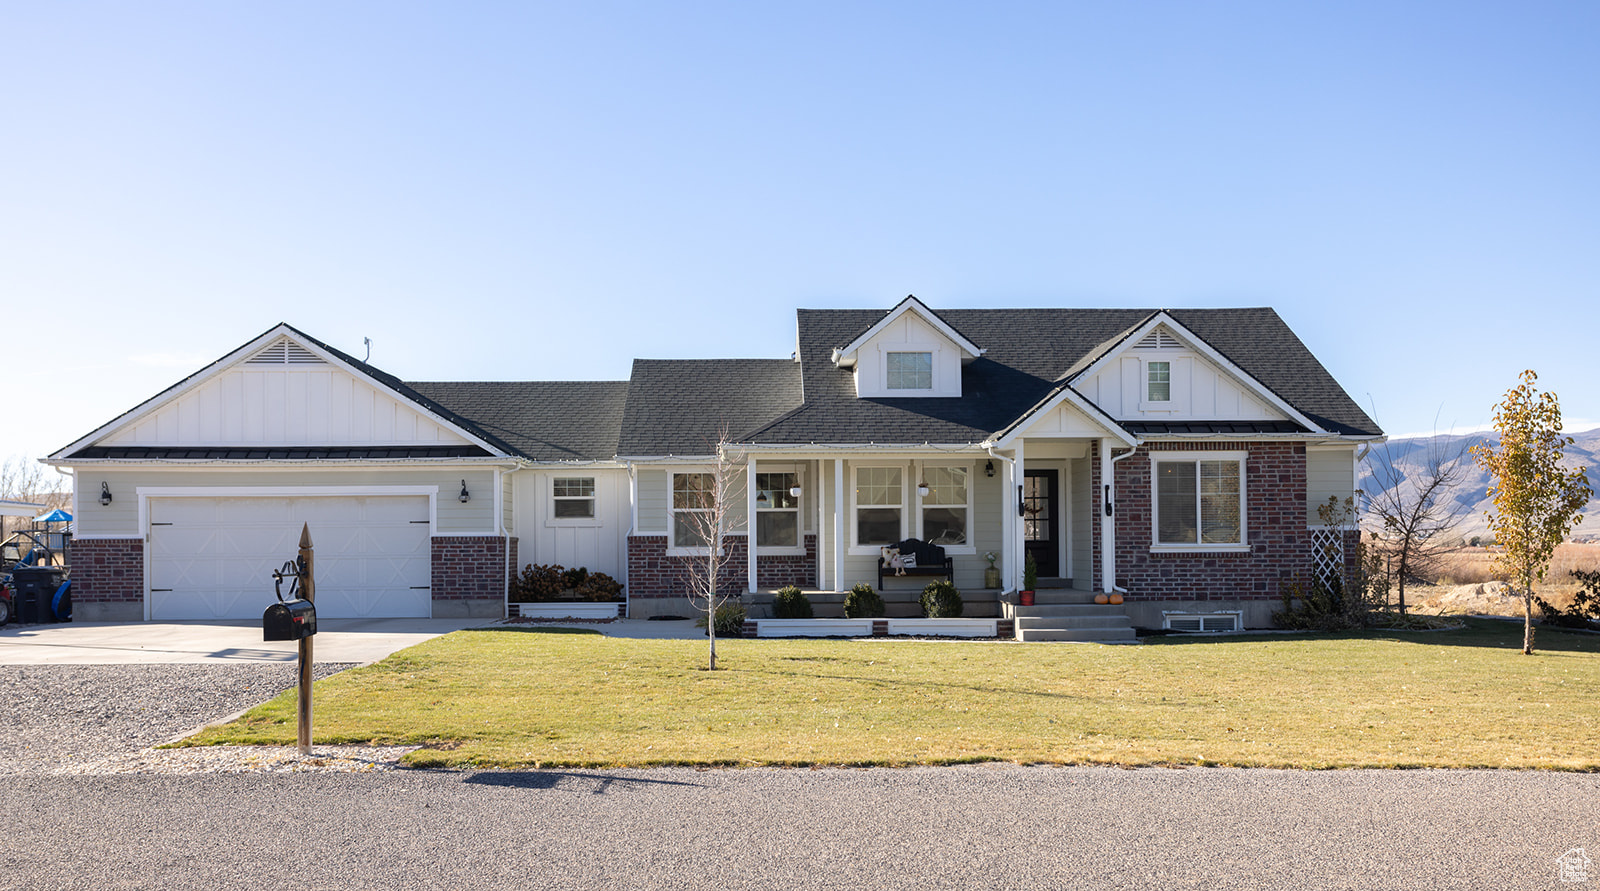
1410	456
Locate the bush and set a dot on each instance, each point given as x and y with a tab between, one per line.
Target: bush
573	579
863	603
791	603
730	619
1585	609
537	583
941	600
600	588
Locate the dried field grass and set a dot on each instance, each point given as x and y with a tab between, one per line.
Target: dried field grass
1475	566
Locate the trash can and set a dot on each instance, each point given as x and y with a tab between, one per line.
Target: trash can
36	585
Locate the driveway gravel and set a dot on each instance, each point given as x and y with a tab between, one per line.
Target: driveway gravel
59	718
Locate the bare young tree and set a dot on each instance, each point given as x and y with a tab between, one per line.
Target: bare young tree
703	510
1414	510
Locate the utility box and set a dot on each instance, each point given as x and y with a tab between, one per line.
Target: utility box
289	620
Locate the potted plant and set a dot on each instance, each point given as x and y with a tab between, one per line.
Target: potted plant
1030	578
991	576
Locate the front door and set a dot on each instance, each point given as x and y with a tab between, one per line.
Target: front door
1041	512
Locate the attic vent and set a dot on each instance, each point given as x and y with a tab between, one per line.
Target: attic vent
1201	622
1160	339
285	352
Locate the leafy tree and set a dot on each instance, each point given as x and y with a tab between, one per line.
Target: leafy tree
1536	500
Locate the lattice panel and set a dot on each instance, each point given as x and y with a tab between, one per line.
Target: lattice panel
1327	553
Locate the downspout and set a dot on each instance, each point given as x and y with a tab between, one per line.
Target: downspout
505	533
1111	501
1006	516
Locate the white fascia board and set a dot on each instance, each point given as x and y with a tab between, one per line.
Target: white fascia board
1094	413
845	356
227	362
295	465
1194	342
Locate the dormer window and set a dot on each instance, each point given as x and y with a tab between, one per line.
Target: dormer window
1158	378
910	371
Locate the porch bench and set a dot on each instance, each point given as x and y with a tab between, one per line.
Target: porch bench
931	561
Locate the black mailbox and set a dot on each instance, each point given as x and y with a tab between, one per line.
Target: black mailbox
289	620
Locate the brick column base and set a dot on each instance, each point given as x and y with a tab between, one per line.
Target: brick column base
469	576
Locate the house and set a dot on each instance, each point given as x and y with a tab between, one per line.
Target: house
1175	456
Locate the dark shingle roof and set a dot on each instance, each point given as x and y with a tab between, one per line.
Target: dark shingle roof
539	420
1026	352
680	406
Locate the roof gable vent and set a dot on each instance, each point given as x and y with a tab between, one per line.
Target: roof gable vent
285	352
1160	339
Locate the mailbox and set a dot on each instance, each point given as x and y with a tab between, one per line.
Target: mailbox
289	620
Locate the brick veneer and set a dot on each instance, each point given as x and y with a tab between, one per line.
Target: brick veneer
1280	547
469	576
107	571
774	571
653	574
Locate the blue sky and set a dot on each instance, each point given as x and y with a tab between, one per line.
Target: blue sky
545	191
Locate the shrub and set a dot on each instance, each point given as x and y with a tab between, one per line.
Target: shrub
1585	609
791	603
1327	605
941	600
600	587
863	603
537	583
730	619
573	579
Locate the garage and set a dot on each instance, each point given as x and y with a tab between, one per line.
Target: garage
213	557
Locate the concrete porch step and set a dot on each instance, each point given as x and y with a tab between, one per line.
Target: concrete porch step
1073	622
1084	635
1066	609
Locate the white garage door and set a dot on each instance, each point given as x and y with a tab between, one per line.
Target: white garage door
212	558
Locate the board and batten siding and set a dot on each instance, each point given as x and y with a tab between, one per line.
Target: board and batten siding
1330	471
121	517
273	405
1199	391
598	545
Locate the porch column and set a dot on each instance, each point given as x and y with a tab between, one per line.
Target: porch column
750	521
1019	535
838	526
1108	526
822	524
1008	526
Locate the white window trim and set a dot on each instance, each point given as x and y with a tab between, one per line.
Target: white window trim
582	522
906	489
932	350
950	550
1243	545
799	548
673	548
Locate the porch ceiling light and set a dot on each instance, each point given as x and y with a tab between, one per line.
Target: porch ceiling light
105	494
922	489
465	495
794	491
761	499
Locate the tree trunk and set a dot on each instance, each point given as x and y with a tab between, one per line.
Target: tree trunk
1527	617
1403	562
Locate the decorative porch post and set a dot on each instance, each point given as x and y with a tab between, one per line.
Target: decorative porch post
1008	525
750	520
838	526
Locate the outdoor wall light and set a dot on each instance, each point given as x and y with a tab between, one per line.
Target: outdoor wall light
988	469
105	494
1108	501
465	495
1022	504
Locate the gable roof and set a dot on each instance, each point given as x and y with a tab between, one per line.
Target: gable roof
845	355
681	406
1031	354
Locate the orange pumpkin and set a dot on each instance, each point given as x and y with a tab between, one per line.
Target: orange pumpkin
1116	598
1101	598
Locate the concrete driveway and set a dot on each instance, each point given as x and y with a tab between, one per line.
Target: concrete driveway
124	643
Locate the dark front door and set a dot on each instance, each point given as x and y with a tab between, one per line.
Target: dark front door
1041	518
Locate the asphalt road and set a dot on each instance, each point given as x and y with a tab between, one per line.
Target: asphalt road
972	827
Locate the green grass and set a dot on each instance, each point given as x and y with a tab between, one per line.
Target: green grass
1464	698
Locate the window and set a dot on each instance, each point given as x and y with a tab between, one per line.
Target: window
880	501
777	520
910	371
573	498
944	508
1159	378
693	497
1199	501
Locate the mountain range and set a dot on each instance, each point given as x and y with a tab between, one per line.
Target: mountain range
1411	456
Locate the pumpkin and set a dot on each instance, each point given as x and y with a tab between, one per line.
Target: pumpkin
1116	598
1101	598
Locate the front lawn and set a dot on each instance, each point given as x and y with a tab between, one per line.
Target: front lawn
521	698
